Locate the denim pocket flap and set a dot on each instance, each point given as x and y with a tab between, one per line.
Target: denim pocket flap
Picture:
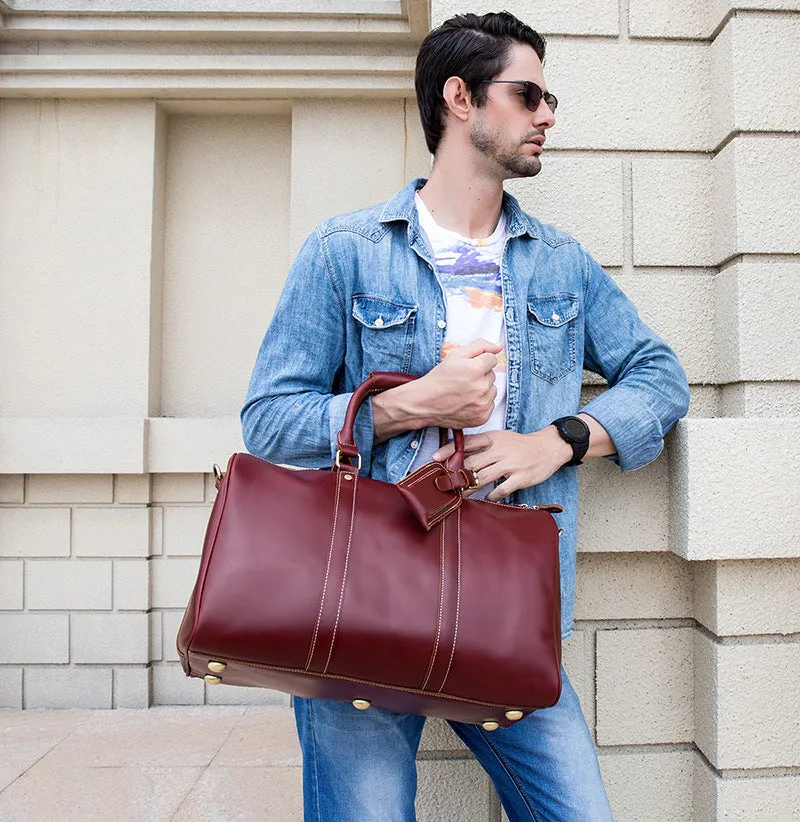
378	313
554	311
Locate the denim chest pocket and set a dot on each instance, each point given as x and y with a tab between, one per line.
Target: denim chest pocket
552	335
387	332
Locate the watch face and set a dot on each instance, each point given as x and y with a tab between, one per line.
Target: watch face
575	429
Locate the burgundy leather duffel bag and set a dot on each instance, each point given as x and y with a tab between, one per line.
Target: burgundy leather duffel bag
409	597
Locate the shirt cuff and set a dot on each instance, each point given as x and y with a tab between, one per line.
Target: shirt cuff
631	424
363	432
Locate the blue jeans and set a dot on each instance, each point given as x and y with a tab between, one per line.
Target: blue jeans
360	766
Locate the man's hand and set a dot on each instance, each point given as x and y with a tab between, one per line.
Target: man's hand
521	459
458	393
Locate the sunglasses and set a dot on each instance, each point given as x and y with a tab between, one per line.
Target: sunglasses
533	94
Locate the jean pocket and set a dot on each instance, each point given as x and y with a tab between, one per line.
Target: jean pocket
387	332
552	335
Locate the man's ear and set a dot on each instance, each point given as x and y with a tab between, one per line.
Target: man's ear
457	98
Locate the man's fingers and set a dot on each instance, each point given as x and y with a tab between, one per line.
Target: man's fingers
476	348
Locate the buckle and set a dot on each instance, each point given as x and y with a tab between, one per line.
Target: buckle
338	461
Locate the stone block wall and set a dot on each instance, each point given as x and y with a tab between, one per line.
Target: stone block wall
162	170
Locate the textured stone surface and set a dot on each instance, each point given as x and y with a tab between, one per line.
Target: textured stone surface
681	18
178	488
654	786
131	584
184	529
172	581
12	488
753	399
32	638
170	686
11	585
68	584
645	686
571	192
453	791
68	687
34	532
633	586
746	705
132	488
622	511
109	638
578	658
10	693
132	687
736	597
110	532
734	490
61	488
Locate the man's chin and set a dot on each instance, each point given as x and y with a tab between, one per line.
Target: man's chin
530	167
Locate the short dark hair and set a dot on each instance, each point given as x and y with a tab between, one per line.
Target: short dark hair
470	46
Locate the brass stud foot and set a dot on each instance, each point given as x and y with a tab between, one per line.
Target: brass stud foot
514	715
361	704
217	667
490	726
212	680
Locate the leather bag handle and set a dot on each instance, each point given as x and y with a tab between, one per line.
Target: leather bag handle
376	382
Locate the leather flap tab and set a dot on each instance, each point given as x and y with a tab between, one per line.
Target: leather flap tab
432	492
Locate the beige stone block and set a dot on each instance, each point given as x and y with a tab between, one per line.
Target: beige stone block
178	488
193	445
68	585
417	158
238	695
272	793
734	490
156	532
633	586
34	638
622	511
754	399
74	219
61	488
648	77
571	192
101	639
156	630
578	657
34	532
704	401
110	532
68	687
10	692
738	597
680	308
580	17
12	488
172	687
761	228
453	791
185	529
211	486
224	224
755	799
747	704
172	581
655	786
758	337
767	99
645	686
674	224
71	445
438	736
369	136
131	585
679	19
132	687
132	488
11	585
171	621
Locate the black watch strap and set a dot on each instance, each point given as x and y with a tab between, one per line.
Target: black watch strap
575	431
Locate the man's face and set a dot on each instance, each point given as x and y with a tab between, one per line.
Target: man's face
506	134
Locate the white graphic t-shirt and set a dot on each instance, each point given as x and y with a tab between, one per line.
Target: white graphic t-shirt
469	271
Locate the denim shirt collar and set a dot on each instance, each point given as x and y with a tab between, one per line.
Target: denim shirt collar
402	208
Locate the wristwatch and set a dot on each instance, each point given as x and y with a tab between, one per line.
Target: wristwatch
576	432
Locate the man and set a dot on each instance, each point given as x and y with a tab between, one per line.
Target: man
498	314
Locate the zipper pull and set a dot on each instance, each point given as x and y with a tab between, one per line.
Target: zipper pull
551	509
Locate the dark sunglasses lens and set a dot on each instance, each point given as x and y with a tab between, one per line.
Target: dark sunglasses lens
533	96
551	100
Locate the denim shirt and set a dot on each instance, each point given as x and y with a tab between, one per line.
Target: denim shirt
363	296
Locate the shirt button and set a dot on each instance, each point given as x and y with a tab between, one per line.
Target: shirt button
442	324
414	443
509	315
379	322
